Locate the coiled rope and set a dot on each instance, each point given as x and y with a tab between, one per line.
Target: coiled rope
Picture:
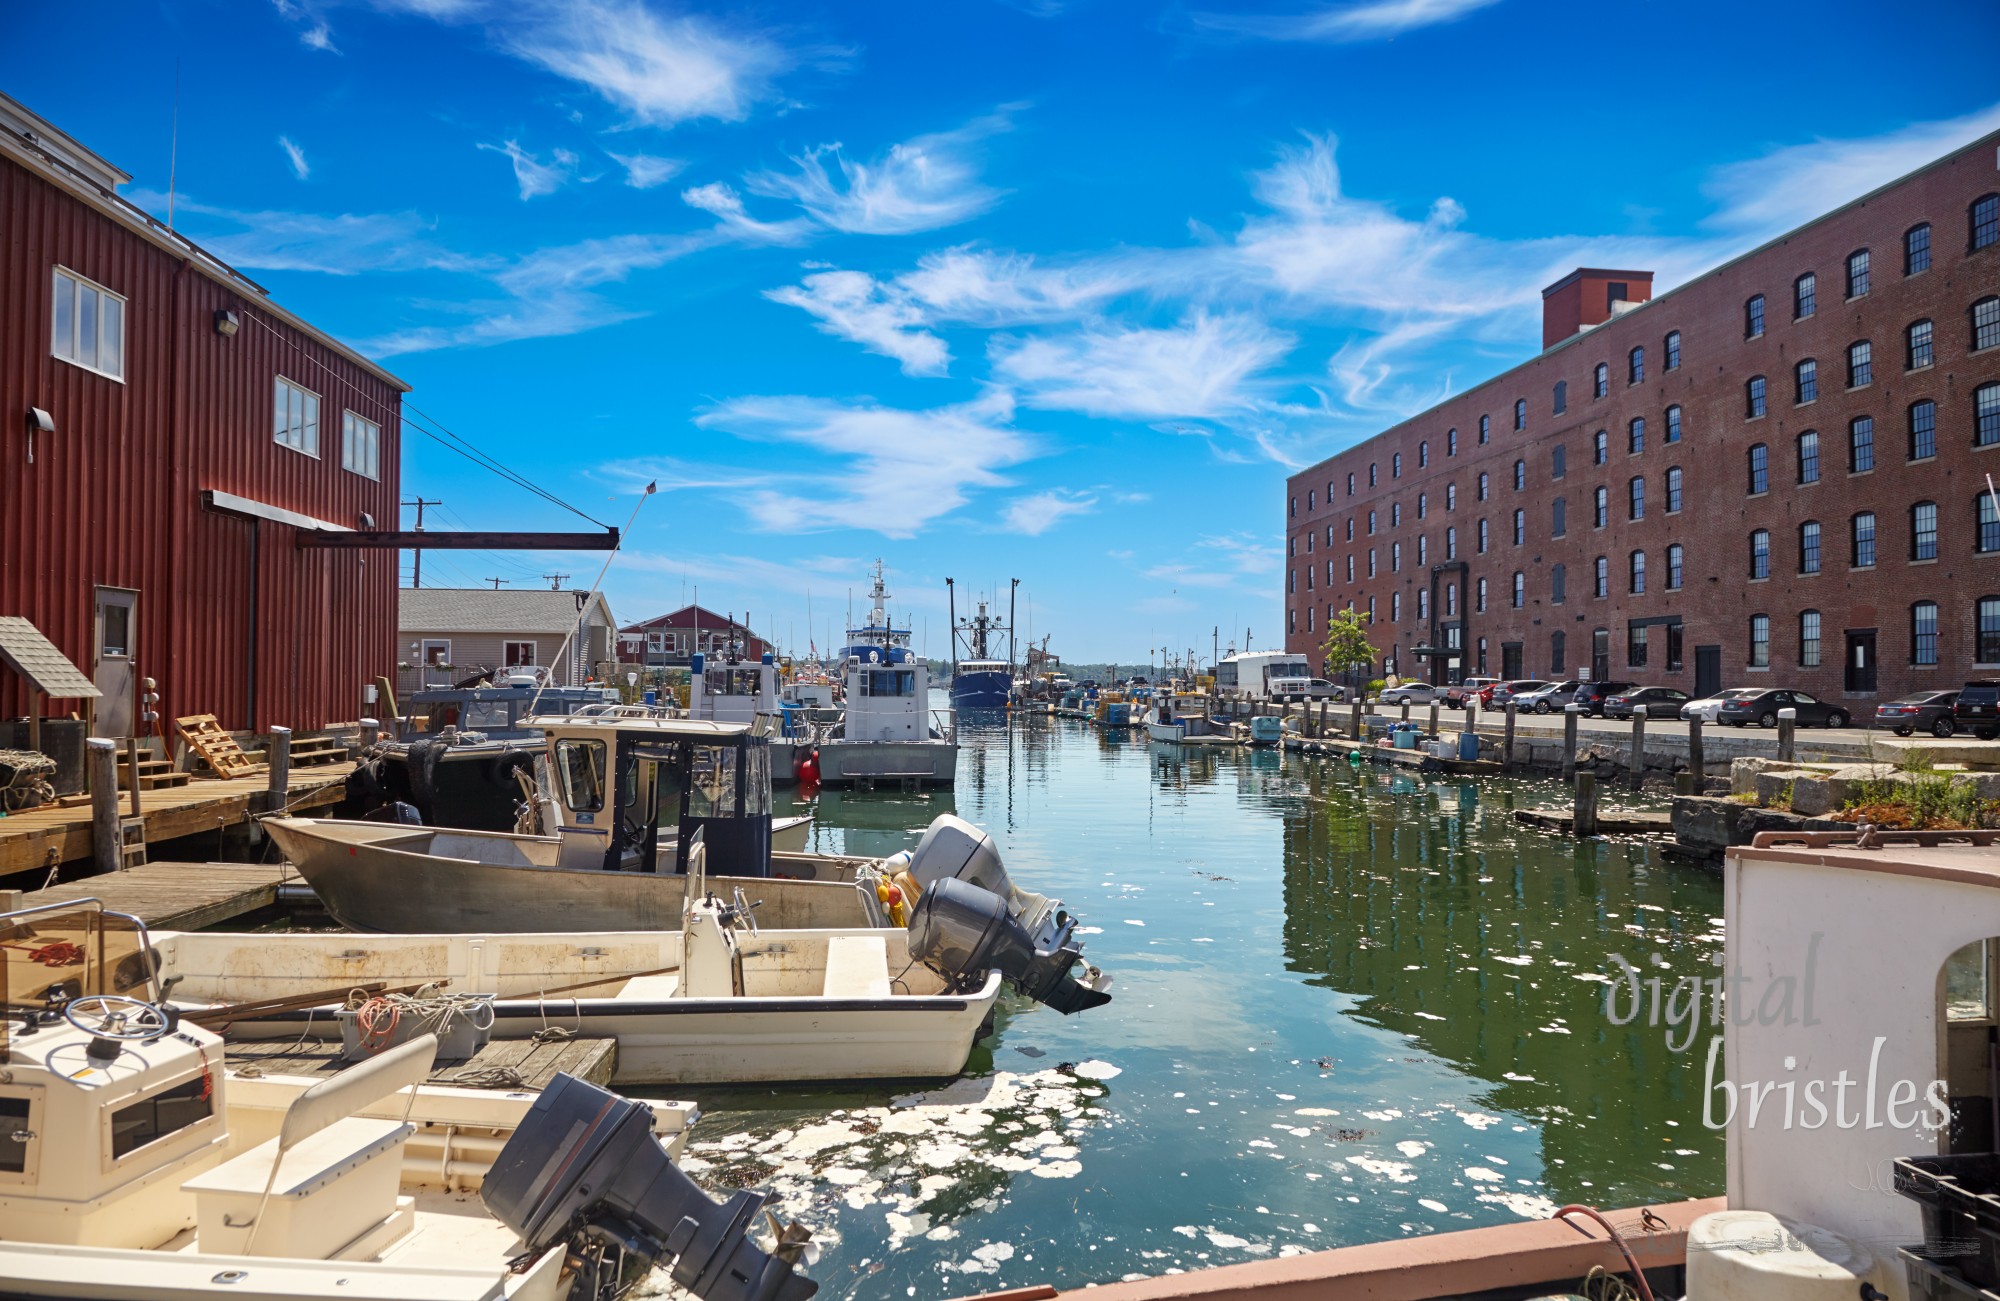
379	1017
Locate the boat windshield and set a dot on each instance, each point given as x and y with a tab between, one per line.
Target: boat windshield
712	792
580	767
732	682
70	950
889	682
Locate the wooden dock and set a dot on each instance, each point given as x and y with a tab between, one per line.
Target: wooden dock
38	839
1382	754
502	1063
175	896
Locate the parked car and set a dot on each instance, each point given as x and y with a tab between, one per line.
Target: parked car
1457	695
1708	708
1655	702
1978	708
1411	693
1761	708
1497	695
1548	699
1929	711
1294	690
1592	695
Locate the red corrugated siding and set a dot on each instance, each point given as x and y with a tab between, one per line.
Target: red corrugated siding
114	495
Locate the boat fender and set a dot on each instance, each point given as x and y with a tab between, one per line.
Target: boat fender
501	771
890	896
908	884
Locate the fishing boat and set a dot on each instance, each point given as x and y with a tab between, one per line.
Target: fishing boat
138	1164
1178	716
888	734
979	681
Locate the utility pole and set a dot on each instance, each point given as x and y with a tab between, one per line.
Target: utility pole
497	581
417	577
555	581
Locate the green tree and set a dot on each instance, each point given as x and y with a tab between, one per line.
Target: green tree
1347	646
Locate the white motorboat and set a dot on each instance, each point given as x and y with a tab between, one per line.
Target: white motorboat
136	1165
1176	717
889	734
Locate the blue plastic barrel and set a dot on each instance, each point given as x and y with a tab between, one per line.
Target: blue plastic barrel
1468	745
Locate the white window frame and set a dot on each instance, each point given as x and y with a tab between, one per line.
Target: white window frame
56	346
351	422
279	434
514	660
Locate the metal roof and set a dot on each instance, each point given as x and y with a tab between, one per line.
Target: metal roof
36	658
476	610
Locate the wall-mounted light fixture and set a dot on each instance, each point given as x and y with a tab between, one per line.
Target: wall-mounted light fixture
227	323
39	422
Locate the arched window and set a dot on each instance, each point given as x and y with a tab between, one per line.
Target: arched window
1861	444
1673	349
1676	565
1802	296
1371	474
1482	537
1451	496
1395	514
1600	507
1559	518
1635	366
1423	454
1371	522
1451	543
1423	603
1485	427
1673	424
1637	572
1479	598
1753	316
1986	616
1635	435
1350	569
1924	633
1558	583
1986	523
1635	497
1924	531
1673	490
1760	469
1520	475
1560	402
1396	466
1809	639
1861	361
1395	557
1520	527
1350	485
1600	380
1600	578
1809	456
1986	415
1395	607
1984	220
1558	462
1861	532
1760	554
1600	447
1421	549
1753	397
1423	500
1806	378
1482	485
1809	547
1917	249
1918	347
1451	441
1451	600
1923	430
1857	273
1760	641
1520	413
1520	593
1986	323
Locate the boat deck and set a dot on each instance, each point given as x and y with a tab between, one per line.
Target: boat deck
502	1063
38	839
175	896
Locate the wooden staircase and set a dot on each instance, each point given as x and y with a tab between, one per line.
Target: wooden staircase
154	774
318	749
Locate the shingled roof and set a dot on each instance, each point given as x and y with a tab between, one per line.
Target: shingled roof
477	609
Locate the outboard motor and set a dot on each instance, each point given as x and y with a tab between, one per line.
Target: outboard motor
960	929
583	1167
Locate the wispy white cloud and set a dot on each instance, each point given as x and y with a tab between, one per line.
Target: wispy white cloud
533	176
644	171
1037	513
926	183
1373	21
726	206
894	470
296	157
850	305
1222	561
1205	366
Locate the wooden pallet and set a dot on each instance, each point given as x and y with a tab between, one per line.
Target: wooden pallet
217	748
318	749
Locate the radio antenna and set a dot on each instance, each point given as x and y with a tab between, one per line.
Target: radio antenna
174	146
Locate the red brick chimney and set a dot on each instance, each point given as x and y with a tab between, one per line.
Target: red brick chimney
1587	296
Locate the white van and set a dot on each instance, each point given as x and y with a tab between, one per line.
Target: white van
1294	690
1249	674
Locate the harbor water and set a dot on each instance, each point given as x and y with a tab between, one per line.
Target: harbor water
1351	1004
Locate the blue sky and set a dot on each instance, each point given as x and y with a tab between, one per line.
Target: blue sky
1048	289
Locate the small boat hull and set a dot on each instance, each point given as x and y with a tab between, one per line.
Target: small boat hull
982	689
1172	733
928	763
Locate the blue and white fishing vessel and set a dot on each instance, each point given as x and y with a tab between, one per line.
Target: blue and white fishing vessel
980	681
887	735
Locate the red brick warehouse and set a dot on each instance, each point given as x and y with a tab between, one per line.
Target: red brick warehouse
1774	473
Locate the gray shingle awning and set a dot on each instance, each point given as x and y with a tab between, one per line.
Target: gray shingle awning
36	658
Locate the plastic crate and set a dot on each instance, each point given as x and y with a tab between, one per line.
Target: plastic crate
1960	1199
1930	1281
464	1034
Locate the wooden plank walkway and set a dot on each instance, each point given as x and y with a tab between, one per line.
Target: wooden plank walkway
175	896
44	837
532	1064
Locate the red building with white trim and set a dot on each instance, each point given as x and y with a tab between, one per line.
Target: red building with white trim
168	431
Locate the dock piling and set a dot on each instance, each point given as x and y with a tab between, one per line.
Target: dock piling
1434	717
1583	818
1507	745
1788	723
1637	765
1354	718
1570	716
101	768
279	756
1695	769
1406	709
1684	784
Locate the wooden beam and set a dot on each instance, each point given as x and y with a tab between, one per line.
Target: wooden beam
434	541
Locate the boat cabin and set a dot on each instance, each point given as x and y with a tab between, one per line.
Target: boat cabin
887	702
499	712
623	774
729	689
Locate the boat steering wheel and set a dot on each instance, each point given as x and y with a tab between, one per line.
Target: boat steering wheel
118	1018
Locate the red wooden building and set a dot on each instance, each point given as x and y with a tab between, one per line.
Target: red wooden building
166	430
672	639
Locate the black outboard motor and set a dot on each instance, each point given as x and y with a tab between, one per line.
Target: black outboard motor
584	1167
960	929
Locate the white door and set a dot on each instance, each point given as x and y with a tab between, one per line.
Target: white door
116	639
